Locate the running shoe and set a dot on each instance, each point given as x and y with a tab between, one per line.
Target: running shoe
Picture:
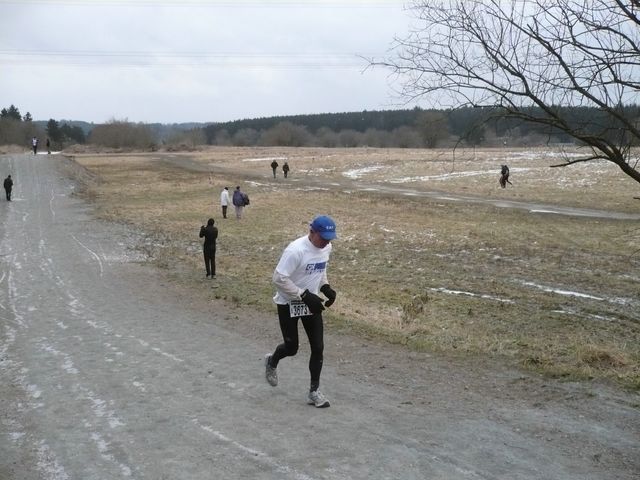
270	373
318	399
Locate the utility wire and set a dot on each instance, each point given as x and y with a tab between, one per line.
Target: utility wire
167	59
333	4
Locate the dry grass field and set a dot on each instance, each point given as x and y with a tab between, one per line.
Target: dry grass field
553	293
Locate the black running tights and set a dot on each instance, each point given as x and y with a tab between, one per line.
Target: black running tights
314	329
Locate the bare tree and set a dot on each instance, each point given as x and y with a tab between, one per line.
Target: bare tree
531	60
122	134
432	126
285	134
246	137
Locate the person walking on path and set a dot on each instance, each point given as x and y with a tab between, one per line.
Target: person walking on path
285	169
274	166
240	199
8	186
224	201
48	146
504	176
34	145
210	234
299	277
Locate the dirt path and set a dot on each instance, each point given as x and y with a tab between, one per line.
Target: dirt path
398	190
110	371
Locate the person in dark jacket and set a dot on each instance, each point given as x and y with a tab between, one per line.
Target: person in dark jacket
504	176
8	186
239	201
274	166
285	169
210	234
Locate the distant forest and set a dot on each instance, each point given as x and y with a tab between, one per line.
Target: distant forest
409	128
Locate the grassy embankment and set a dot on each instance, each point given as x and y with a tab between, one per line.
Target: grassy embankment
551	293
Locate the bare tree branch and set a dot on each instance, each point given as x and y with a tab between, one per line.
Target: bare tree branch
531	60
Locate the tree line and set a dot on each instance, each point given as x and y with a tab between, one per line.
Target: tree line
408	128
16	129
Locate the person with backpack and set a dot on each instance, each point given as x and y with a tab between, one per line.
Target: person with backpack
285	169
274	165
239	200
504	176
300	277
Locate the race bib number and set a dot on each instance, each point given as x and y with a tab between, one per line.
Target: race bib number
298	309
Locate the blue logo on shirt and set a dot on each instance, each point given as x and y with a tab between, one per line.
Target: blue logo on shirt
315	267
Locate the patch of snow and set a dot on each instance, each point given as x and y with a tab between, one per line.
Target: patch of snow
561	291
471	294
48	464
359	172
263	159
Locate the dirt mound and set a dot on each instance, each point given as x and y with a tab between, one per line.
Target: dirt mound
6	149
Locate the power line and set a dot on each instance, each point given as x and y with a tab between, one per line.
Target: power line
189	58
333	4
195	54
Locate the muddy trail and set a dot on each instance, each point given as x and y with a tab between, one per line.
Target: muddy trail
109	370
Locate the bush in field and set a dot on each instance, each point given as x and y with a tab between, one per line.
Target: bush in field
122	134
406	137
433	127
325	137
188	138
286	134
246	137
373	137
222	138
349	138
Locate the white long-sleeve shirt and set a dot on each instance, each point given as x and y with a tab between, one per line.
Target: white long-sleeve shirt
302	266
224	198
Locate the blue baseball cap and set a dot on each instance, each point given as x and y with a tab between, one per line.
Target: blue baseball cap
325	226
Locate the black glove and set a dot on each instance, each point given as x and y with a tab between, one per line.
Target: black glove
313	301
330	293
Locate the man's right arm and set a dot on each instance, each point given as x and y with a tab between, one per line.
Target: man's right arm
284	284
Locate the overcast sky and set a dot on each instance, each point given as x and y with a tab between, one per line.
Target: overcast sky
201	61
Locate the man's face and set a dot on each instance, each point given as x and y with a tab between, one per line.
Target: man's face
317	240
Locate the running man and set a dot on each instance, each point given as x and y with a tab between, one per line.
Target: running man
299	276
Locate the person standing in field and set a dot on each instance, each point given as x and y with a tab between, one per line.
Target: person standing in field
285	169
48	146
210	234
240	199
301	274
224	201
34	145
274	166
8	186
504	176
